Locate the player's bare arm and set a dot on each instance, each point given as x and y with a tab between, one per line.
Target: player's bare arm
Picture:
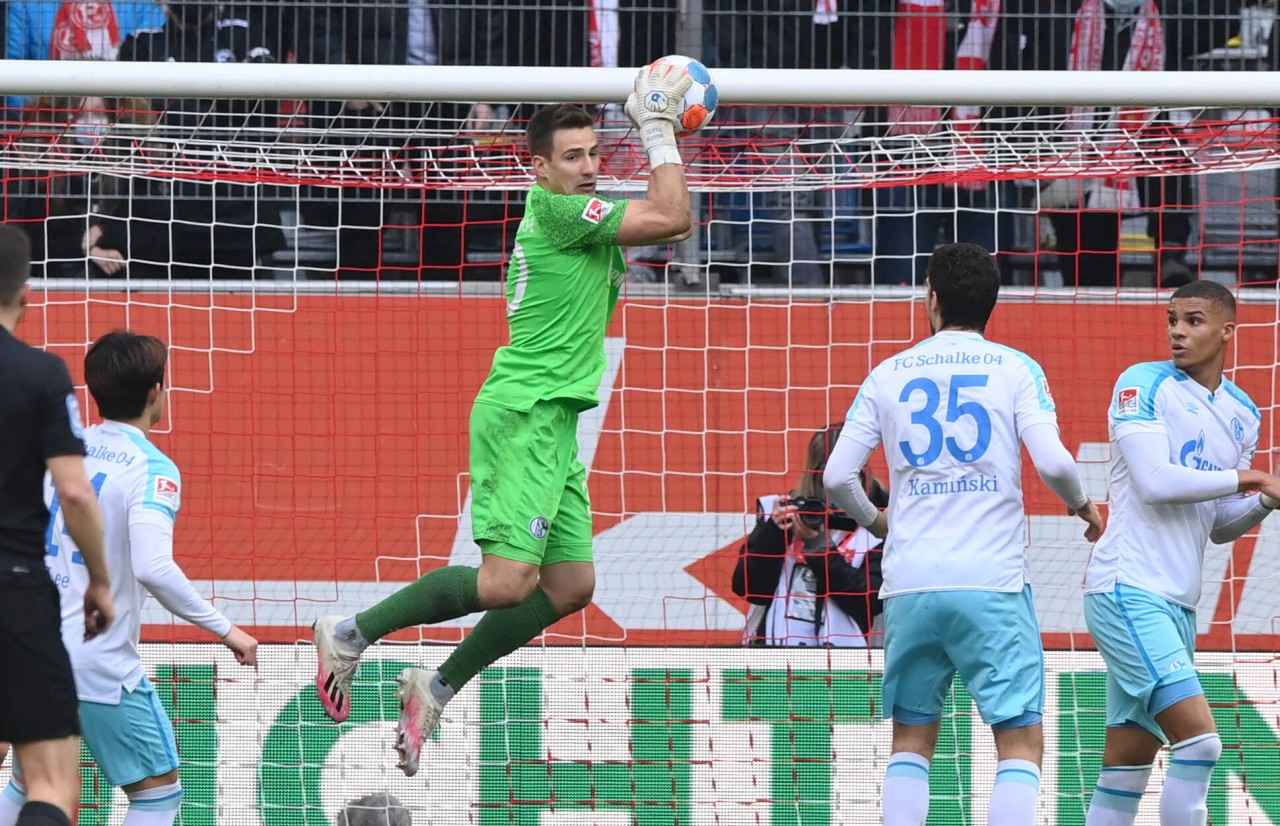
84	523
666	213
242	645
1263	483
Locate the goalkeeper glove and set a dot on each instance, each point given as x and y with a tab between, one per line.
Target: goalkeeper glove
654	107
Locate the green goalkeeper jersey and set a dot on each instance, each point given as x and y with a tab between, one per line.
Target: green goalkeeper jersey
562	287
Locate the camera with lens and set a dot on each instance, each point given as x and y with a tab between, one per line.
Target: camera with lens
818	512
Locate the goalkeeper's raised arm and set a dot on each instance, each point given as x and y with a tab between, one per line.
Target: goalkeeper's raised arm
654	107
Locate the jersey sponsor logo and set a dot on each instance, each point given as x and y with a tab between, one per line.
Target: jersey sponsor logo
539	527
1127	401
596	211
1191	455
1237	429
166	490
73	416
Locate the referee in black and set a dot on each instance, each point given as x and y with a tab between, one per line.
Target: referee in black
40	428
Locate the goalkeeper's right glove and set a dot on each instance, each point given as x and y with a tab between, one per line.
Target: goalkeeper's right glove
654	107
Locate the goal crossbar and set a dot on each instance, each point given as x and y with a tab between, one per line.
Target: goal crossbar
841	87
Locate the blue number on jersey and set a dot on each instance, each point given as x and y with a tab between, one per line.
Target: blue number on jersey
57	530
927	417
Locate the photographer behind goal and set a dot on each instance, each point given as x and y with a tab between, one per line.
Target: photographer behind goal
811	573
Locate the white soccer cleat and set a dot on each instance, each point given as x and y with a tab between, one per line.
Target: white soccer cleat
419	716
336	666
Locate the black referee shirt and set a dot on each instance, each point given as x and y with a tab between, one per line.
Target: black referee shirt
39	419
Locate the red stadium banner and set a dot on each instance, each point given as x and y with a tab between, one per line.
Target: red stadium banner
323	445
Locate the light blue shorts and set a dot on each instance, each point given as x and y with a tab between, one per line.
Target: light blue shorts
131	741
1149	646
991	639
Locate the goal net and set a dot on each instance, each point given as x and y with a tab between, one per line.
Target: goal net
328	276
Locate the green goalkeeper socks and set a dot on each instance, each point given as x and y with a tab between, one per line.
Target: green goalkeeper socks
449	593
443	594
498	634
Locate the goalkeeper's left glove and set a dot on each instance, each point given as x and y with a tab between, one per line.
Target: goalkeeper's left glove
654	107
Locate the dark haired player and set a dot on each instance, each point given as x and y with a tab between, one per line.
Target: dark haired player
531	513
1183	437
953	413
125	726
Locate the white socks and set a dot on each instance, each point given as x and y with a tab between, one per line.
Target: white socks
348	633
12	799
1186	787
157	806
1016	793
1117	795
150	807
906	790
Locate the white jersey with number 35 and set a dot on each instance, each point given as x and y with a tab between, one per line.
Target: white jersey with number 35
136	484
951	412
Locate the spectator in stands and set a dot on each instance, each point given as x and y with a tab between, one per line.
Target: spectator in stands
1131	35
56	209
393	32
379	809
792	34
1013	35
807	582
186	228
58	30
74	29
909	219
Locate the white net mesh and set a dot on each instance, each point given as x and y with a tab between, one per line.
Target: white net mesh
321	418
756	148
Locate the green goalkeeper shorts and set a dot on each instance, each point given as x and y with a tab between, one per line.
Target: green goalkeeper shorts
528	489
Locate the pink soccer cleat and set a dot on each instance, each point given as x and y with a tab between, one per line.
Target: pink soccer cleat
419	716
336	666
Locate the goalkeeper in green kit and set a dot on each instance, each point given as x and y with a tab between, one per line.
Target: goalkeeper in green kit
530	512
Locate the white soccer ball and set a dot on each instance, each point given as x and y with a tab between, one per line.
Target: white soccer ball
699	104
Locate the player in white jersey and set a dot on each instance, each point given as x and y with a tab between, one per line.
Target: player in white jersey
953	413
139	491
1183	438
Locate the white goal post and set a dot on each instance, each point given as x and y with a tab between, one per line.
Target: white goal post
808	87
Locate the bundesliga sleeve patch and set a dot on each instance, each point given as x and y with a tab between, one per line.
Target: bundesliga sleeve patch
1127	401
1044	388
167	490
596	211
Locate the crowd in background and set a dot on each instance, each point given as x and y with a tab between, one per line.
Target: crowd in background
100	225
